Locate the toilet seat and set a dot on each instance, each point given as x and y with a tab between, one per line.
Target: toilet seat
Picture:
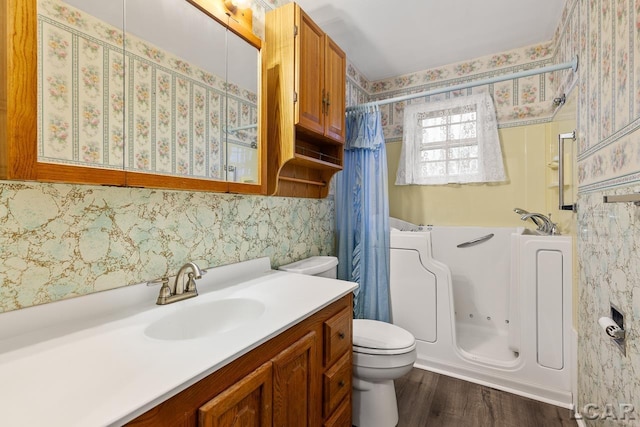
383	352
376	337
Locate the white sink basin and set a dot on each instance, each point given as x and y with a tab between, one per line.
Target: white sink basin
201	320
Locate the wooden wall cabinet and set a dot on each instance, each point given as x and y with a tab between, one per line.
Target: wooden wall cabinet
305	73
301	377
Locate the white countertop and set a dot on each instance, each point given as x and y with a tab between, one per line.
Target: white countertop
87	361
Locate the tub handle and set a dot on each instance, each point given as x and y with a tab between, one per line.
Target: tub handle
474	242
561	205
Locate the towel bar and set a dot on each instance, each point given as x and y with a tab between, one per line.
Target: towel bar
623	198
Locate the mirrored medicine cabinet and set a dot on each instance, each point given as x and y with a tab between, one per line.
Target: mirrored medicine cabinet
141	93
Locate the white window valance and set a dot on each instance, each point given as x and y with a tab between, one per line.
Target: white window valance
451	141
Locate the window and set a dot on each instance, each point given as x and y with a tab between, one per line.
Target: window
451	141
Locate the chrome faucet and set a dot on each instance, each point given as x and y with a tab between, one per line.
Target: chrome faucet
544	223
522	212
179	291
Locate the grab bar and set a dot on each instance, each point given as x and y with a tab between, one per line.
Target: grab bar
623	198
561	138
474	242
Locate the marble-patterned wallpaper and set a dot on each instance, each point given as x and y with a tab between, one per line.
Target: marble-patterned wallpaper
59	241
609	273
606	36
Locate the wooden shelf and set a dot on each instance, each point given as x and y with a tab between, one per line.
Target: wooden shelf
299	180
303	181
313	163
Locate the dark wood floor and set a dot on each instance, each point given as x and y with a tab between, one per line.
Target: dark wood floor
434	400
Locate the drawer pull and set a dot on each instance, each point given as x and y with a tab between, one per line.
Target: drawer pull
341	383
341	335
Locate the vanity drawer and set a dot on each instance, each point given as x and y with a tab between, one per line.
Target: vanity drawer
337	336
341	417
336	384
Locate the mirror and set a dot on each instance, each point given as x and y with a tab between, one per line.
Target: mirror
241	111
174	95
81	83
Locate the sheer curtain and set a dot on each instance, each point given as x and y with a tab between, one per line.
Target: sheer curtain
362	211
451	141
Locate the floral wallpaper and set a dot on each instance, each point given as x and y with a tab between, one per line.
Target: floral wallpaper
523	101
357	86
518	102
132	104
608	154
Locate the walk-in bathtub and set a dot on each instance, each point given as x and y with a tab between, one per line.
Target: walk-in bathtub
488	305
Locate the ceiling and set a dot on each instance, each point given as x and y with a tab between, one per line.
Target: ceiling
391	38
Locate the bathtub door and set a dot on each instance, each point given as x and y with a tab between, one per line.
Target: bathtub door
413	295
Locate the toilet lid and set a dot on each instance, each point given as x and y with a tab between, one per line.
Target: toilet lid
374	336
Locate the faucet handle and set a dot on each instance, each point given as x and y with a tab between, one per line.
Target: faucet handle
165	290
163	280
191	282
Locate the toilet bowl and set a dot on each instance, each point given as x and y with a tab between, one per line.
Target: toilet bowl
382	352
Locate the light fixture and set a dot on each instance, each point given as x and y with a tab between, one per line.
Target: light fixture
234	5
241	4
234	14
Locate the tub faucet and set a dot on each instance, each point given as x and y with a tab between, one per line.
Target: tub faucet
545	226
179	292
522	212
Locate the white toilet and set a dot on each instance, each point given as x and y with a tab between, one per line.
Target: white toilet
382	352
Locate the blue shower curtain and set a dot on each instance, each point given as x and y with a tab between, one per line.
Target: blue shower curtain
362	211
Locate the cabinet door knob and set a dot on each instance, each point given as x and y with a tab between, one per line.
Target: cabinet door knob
341	383
324	103
341	335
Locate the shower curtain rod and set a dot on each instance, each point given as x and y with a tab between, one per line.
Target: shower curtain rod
526	73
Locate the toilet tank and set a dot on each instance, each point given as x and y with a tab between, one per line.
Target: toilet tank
323	266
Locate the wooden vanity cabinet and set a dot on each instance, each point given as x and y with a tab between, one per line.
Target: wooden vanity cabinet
290	380
247	403
338	357
305	74
278	393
